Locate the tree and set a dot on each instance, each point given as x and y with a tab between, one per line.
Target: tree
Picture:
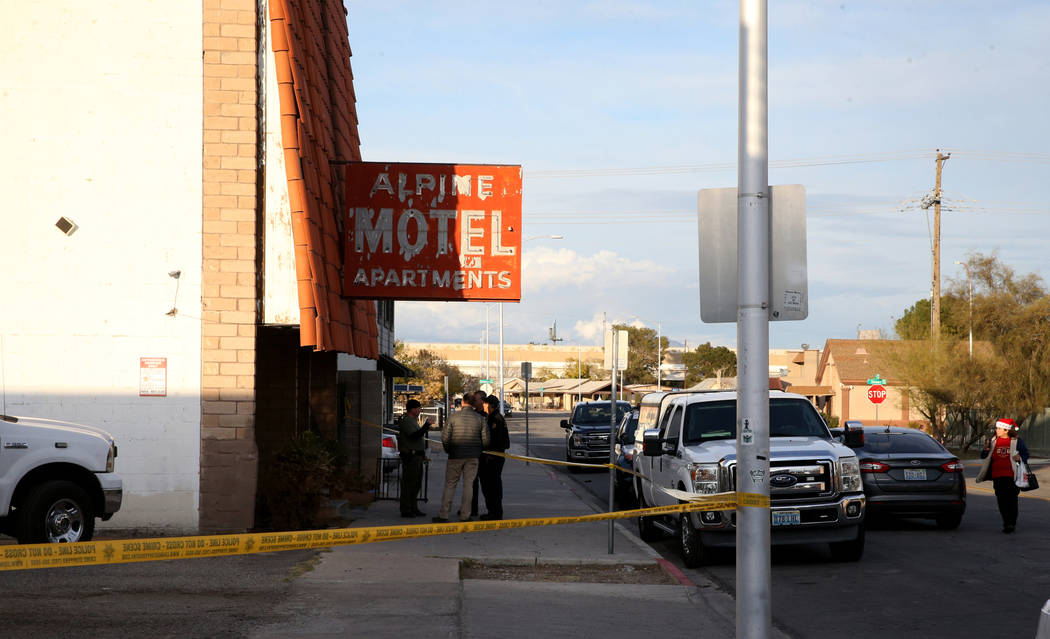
574	369
708	361
915	322
1008	374
430	372
641	354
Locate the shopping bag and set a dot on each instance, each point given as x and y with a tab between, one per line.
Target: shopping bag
1021	475
1032	480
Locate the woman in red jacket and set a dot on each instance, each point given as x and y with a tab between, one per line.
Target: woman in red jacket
1001	456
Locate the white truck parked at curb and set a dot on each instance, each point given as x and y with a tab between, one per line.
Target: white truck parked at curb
55	479
689	444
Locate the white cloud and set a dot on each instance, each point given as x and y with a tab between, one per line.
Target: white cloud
591	330
547	268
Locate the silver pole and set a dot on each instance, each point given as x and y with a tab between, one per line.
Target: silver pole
753	604
579	373
527	453
612	433
659	355
501	358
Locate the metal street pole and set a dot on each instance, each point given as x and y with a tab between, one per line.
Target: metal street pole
501	358
969	283
527	454
753	603
659	355
579	373
612	433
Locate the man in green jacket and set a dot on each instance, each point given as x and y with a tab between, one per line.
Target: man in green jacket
412	444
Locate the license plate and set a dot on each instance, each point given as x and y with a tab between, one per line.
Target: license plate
786	518
915	474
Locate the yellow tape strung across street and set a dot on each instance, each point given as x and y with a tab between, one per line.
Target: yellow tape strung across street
94	553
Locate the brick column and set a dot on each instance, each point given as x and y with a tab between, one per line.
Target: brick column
229	458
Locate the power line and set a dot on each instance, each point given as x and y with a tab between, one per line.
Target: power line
731	166
997	156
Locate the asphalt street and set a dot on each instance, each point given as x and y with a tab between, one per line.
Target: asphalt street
914	580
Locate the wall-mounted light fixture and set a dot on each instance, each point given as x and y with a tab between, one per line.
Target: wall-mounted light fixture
66	225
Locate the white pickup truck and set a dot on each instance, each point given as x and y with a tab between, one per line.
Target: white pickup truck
689	444
55	479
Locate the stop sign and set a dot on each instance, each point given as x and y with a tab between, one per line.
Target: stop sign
877	394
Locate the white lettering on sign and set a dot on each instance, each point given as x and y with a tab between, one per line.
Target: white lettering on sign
457	280
467	233
374	233
411	249
419	184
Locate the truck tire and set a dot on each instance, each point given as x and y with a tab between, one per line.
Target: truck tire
851	550
646	529
694	553
55	512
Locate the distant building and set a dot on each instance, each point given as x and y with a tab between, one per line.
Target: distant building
483	362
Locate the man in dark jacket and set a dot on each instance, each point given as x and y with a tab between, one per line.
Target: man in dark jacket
491	467
463	437
412	445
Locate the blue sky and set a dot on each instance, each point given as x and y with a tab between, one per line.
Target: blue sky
861	95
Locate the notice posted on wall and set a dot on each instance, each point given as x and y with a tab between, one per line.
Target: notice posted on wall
153	377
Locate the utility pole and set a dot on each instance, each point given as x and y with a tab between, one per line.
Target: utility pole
935	302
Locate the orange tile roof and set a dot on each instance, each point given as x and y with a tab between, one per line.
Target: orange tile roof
311	47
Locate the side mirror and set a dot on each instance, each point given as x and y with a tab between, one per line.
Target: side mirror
651	444
853	437
564	423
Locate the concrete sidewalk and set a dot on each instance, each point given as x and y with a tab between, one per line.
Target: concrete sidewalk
412	588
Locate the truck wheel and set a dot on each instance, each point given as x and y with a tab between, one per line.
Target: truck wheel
55	512
646	529
694	553
851	550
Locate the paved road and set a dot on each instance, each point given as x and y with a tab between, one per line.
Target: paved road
214	597
914	579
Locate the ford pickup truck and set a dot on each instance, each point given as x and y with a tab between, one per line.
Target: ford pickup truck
55	479
689	444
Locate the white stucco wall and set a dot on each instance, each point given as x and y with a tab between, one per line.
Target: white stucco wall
101	105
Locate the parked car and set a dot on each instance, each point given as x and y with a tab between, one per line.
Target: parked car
624	450
587	431
388	452
507	410
908	473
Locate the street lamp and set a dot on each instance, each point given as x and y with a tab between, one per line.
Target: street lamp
969	282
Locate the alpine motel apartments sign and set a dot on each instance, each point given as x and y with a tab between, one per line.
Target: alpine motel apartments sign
433	232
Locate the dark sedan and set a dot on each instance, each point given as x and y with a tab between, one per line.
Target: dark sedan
908	473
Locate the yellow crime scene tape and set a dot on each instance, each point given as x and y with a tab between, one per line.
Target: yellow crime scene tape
95	553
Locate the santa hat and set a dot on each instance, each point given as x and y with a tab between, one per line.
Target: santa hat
1006	423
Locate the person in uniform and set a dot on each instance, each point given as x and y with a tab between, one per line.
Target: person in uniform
412	445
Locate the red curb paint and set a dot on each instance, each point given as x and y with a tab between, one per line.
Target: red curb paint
673	570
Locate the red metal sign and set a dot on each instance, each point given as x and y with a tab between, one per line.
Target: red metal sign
433	232
877	394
